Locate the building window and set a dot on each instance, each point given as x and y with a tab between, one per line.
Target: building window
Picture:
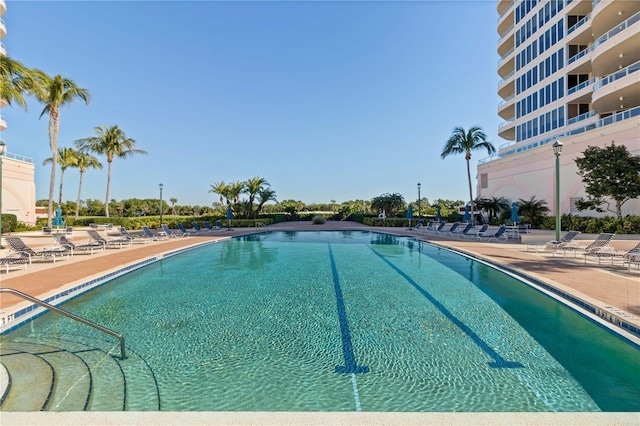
484	181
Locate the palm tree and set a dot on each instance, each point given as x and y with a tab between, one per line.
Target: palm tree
16	81
390	204
54	92
84	162
67	157
235	188
465	142
173	205
532	208
111	142
265	195
493	206
222	189
252	187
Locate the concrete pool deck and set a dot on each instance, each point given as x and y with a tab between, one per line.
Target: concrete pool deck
611	287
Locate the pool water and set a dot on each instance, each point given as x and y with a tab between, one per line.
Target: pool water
347	321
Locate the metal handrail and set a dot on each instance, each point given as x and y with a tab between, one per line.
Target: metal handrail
70	315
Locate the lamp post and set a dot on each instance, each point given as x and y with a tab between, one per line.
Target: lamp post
557	150
418	200
161	186
3	149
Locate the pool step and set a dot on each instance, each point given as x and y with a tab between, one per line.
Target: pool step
74	373
30	380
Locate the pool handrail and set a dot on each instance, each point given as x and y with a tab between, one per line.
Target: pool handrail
70	315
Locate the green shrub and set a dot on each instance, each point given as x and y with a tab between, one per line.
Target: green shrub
318	220
9	223
595	225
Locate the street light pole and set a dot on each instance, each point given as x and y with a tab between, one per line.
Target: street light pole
557	150
3	149
418	200
161	204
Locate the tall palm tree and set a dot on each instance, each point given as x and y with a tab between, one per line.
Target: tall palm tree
16	81
113	143
54	92
67	157
173	205
462	142
84	161
252	187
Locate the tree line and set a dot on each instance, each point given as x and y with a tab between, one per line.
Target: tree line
53	93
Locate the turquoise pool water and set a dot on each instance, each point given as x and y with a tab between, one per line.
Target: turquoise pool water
344	321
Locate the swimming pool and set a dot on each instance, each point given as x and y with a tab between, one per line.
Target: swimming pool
345	321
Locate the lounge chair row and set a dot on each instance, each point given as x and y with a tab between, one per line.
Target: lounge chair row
465	230
598	250
20	254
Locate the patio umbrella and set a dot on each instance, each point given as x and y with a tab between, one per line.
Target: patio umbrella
514	213
467	215
438	214
229	214
57	220
410	214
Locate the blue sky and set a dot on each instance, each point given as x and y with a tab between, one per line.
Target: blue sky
325	100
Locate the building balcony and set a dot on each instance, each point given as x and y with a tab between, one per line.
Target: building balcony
3	124
618	47
506	45
584	123
618	91
507	86
3	51
507	108
580	33
507	65
3	8
3	29
506	16
507	130
503	6
609	14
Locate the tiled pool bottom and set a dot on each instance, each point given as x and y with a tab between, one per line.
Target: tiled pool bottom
333	326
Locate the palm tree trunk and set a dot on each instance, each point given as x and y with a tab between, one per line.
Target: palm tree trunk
61	179
53	144
470	191
78	200
106	200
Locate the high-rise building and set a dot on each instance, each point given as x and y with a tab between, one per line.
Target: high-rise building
17	172
570	72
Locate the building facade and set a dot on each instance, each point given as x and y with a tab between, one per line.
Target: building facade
570	72
17	172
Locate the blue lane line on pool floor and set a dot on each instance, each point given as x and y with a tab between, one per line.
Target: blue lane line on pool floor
498	361
350	364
